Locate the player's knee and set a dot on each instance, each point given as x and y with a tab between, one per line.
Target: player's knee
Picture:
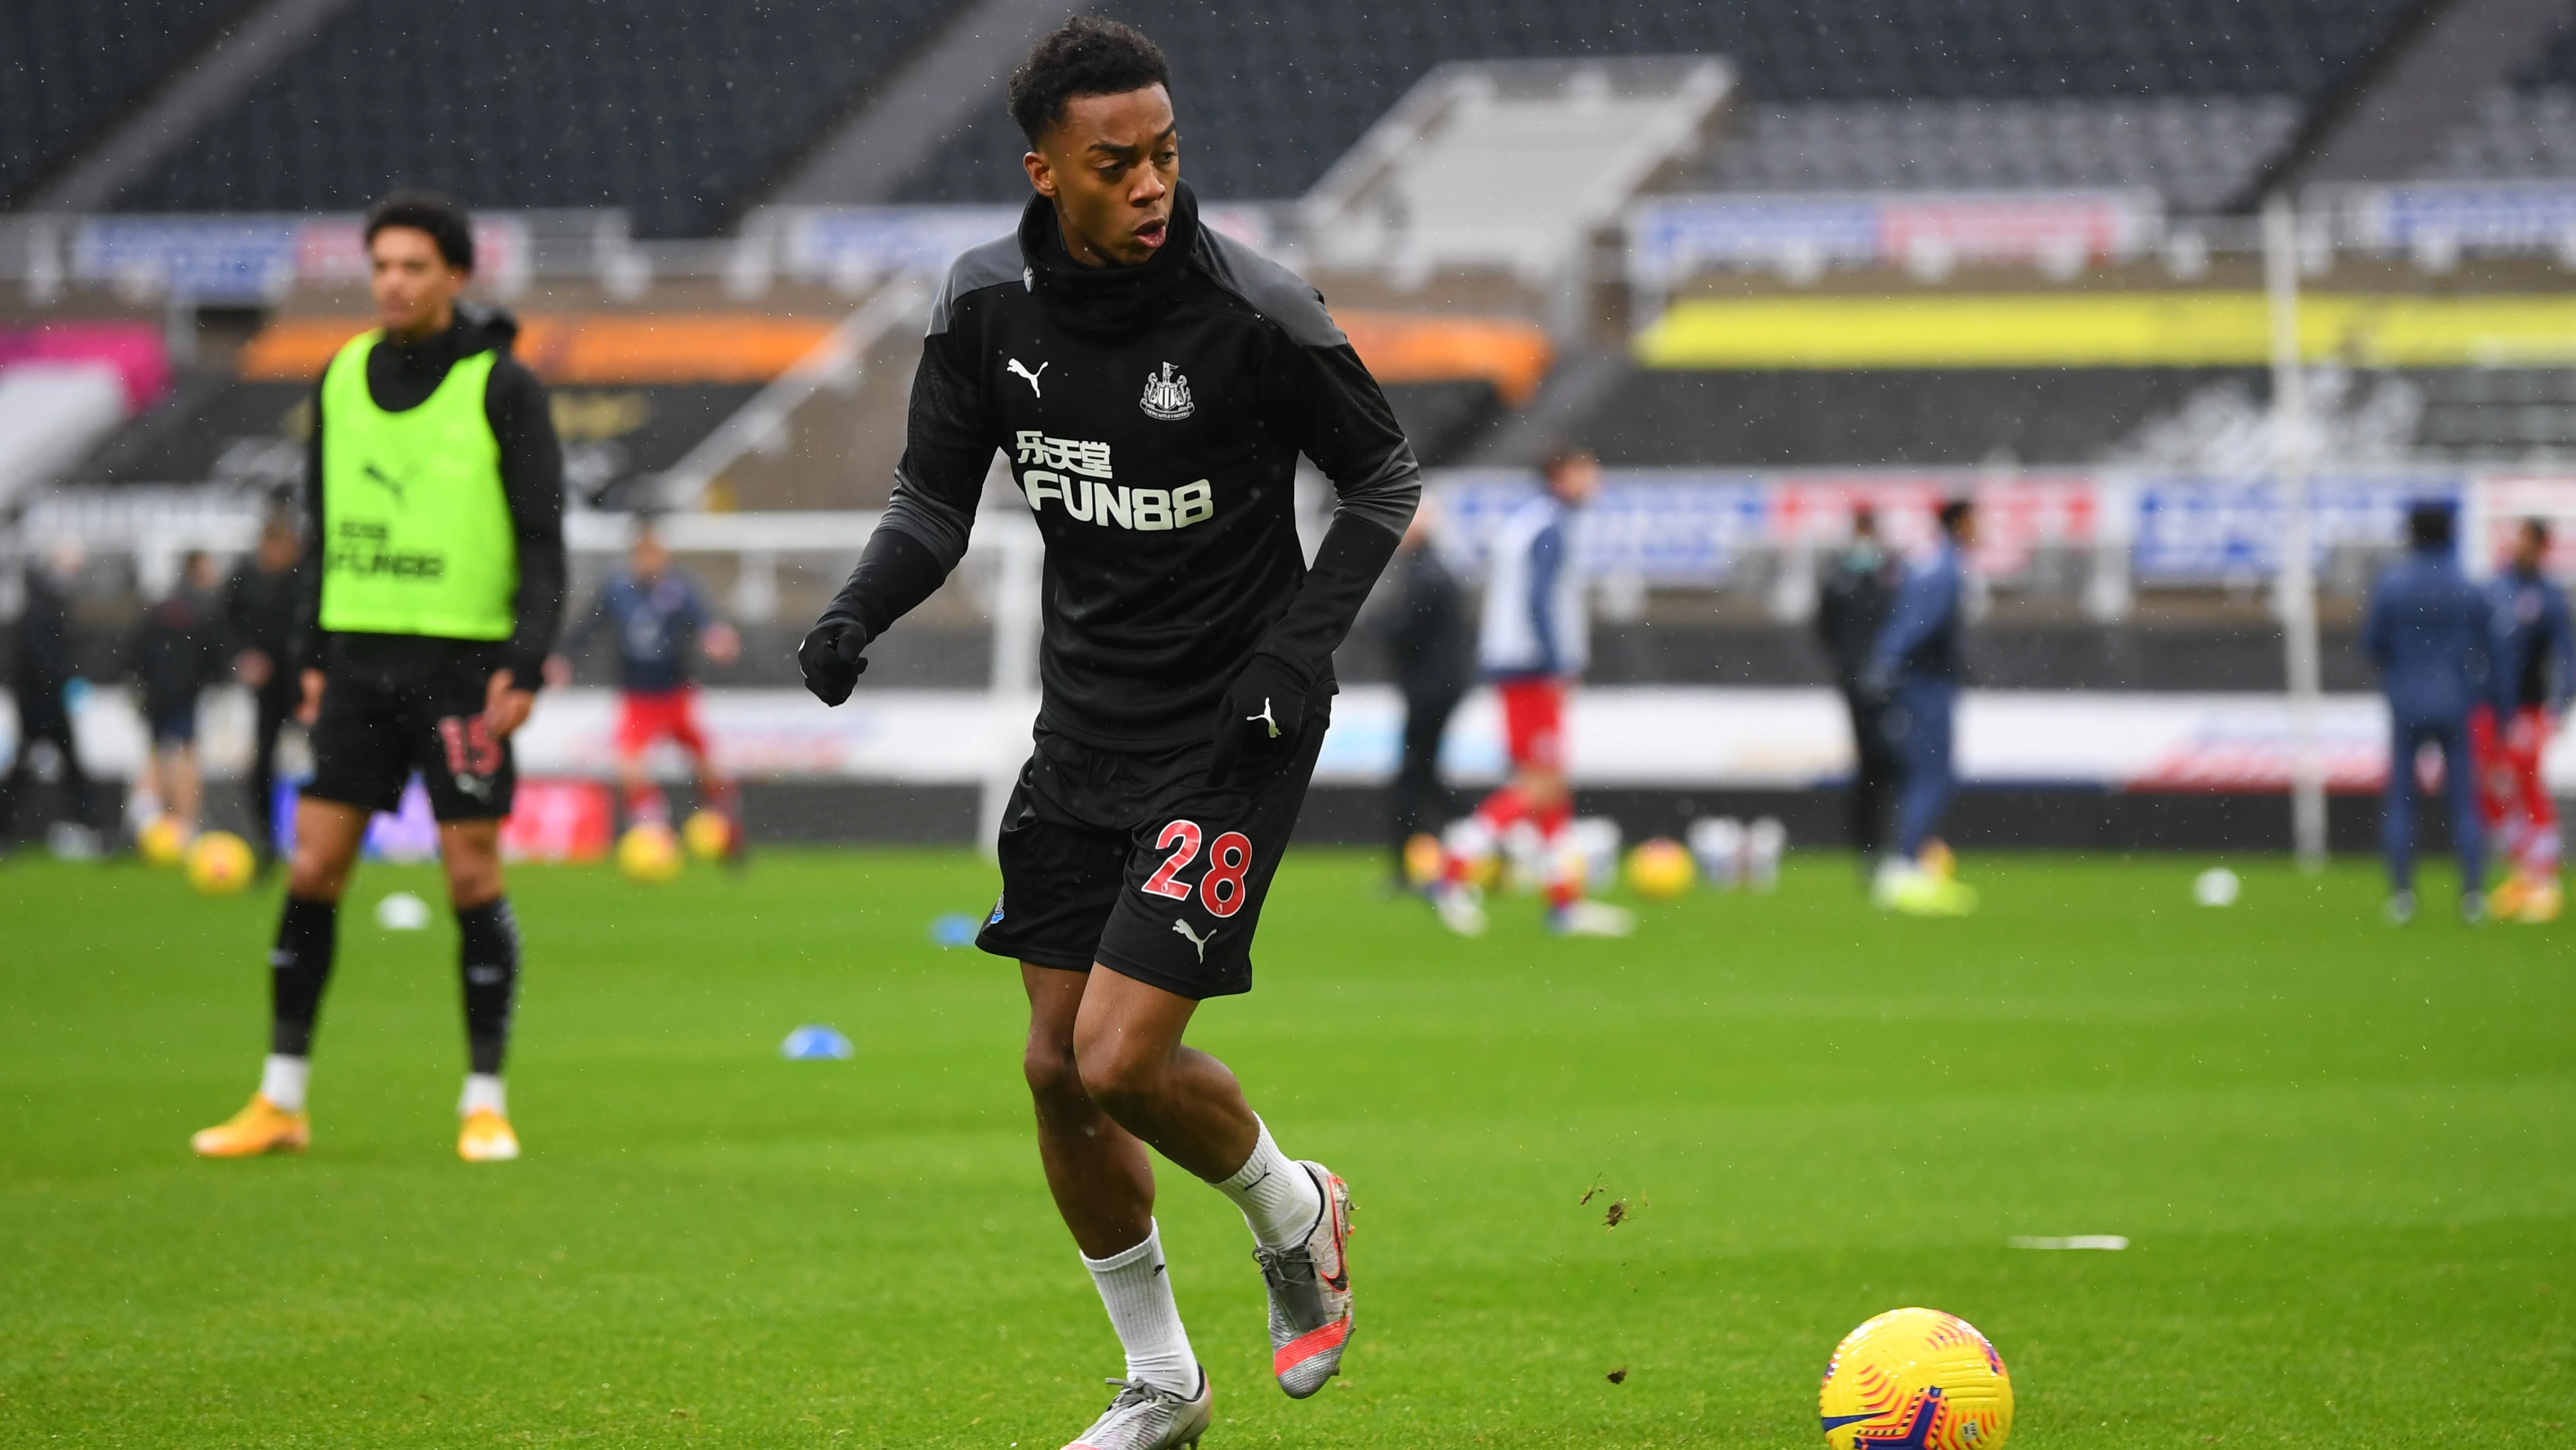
1117	1075
1051	1073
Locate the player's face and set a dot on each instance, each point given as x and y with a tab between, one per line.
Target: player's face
415	289
2528	551
1109	166
1577	480
649	557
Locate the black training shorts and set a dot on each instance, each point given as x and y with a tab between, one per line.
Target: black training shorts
371	737
1132	860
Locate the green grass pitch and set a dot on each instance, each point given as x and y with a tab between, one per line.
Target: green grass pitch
2345	1156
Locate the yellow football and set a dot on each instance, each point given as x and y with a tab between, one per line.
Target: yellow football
708	834
162	842
649	853
1661	869
1919	1379
219	863
1423	859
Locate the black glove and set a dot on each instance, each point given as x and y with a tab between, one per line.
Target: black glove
830	659
1259	721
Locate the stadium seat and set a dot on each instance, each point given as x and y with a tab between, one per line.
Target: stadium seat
1271	95
72	67
577	105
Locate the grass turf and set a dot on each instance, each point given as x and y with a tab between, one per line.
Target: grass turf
2341	1152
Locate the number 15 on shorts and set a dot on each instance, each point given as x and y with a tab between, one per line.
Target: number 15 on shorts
1220	887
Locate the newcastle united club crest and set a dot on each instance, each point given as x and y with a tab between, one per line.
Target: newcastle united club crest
1167	396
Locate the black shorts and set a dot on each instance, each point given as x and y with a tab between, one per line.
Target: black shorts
1133	861
371	737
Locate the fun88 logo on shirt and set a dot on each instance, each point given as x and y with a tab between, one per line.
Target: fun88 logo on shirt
1076	473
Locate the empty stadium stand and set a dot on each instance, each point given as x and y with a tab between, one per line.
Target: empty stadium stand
676	110
1269	95
2198	152
2522	131
69	68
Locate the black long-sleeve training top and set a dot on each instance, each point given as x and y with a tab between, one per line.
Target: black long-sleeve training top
402	375
1152	417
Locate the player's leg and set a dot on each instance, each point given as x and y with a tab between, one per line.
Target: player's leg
274	708
2498	809
1061	875
639	724
2468	834
2537	844
716	793
328	834
2397	822
186	801
472	778
1201	867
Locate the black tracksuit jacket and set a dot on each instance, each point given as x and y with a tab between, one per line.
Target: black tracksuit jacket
1151	417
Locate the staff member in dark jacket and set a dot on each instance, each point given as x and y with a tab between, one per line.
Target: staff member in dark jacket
1856	593
435	497
1434	660
177	653
45	669
262	601
2428	631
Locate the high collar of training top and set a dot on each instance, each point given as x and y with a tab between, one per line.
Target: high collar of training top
1110	299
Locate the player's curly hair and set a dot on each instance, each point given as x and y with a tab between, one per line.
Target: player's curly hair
429	212
1086	56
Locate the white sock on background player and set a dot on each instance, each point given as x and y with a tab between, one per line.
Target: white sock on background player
483	1094
282	1079
1279	1199
1137	1290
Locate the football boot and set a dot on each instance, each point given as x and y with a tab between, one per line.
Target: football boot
1310	1294
262	1127
485	1137
1143	1417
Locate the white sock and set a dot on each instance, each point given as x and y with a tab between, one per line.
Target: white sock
483	1095
282	1078
1279	1199
1137	1291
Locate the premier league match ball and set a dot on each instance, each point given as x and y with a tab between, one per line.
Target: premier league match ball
649	853
161	842
1918	1379
219	863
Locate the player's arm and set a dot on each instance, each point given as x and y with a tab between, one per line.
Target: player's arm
2375	627
1920	604
1341	420
2562	648
532	483
1547	561
304	636
948	446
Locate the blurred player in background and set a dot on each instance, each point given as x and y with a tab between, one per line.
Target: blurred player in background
176	654
1914	670
434	496
259	614
658	617
1853	601
2428	631
1187	665
43	672
2535	669
1535	641
1434	662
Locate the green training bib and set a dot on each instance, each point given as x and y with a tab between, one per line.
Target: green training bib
417	536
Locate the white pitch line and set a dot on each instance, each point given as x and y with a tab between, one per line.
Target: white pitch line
2075	1241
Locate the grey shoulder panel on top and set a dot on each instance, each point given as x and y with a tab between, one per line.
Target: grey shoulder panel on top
1273	290
990	265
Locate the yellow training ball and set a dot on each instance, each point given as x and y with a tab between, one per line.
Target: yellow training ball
220	863
1661	869
162	842
1424	860
708	834
649	853
1916	1377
